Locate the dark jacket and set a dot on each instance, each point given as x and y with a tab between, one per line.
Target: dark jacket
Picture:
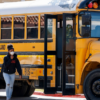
10	65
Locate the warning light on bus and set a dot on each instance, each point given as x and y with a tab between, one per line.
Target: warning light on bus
90	5
95	5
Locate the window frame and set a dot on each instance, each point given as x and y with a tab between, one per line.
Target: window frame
32	27
41	26
7	28
25	26
44	27
19	27
91	25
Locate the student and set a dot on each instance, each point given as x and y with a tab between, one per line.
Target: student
11	63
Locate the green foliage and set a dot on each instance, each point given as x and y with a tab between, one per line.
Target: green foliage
69	32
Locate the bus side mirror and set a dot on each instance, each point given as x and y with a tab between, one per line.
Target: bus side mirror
86	19
86	31
86	25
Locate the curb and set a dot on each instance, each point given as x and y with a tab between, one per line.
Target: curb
59	95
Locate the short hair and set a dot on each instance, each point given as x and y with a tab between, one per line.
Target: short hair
10	46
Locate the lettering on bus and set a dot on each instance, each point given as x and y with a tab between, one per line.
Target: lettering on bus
2	47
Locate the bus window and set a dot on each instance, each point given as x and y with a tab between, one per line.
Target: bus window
95	24
70	68
70	47
49	27
42	26
70	27
19	23
70	30
32	27
6	27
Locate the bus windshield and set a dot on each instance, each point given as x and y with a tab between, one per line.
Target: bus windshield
95	23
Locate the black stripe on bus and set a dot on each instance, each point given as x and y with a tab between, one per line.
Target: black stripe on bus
23	77
35	66
32	66
24	53
42	77
23	41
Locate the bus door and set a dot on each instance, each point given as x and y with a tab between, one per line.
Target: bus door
68	57
50	54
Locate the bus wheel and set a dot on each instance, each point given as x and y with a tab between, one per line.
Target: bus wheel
91	85
30	90
19	91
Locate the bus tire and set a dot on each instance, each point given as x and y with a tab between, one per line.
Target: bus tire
30	90
91	86
19	91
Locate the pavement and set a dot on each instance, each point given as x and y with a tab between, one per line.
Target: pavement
41	96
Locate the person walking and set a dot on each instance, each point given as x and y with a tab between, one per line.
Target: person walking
11	63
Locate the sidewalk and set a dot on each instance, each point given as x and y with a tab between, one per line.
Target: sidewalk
40	93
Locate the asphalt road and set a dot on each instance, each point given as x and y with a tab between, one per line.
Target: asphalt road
36	97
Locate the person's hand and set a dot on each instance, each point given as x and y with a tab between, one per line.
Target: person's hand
20	76
11	56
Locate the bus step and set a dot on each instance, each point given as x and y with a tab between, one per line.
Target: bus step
59	92
71	75
70	85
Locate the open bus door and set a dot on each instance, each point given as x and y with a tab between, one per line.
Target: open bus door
68	54
50	51
68	57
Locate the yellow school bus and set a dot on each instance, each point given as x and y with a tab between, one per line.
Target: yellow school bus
57	43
